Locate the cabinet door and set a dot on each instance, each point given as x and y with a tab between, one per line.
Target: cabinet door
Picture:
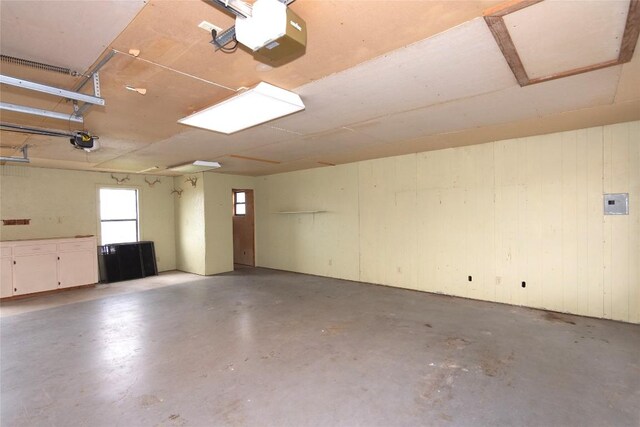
35	273
77	268
6	277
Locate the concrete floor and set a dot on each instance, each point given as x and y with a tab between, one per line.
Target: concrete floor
87	293
270	348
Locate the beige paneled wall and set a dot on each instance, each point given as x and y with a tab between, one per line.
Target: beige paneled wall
218	205
456	226
64	203
522	210
388	221
622	233
549	221
290	236
190	226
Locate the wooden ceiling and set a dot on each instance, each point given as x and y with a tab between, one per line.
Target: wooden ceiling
379	78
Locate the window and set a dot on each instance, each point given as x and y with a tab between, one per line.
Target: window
118	215
239	203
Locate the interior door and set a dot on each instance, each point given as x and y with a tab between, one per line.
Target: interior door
243	228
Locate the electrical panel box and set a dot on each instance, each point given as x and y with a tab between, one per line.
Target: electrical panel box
616	204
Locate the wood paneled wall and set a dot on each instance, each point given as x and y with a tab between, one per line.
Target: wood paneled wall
522	210
64	203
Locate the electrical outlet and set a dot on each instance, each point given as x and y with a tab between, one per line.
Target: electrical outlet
208	26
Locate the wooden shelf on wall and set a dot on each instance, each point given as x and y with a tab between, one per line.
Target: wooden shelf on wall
299	212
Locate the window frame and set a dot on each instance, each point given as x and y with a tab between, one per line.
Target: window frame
236	203
137	218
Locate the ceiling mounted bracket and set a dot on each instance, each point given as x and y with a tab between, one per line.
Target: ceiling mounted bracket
96	84
51	90
93	74
96	91
94	70
88	100
42	113
24	159
224	38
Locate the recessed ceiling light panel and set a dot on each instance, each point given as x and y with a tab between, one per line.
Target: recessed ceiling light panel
260	104
197	166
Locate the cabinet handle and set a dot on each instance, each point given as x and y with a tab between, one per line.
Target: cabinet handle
14	263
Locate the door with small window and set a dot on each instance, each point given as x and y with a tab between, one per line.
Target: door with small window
243	228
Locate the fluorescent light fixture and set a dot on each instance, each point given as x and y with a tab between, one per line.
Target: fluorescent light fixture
260	104
197	166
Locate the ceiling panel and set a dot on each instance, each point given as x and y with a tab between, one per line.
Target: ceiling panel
343	140
151	117
558	35
363	97
194	144
70	34
256	169
12	139
515	103
237	166
461	62
629	83
577	119
61	149
342	34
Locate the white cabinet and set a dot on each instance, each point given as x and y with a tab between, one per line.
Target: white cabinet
6	276
35	273
30	266
76	268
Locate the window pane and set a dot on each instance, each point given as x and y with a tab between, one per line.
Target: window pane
118	203
240	197
241	209
118	232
